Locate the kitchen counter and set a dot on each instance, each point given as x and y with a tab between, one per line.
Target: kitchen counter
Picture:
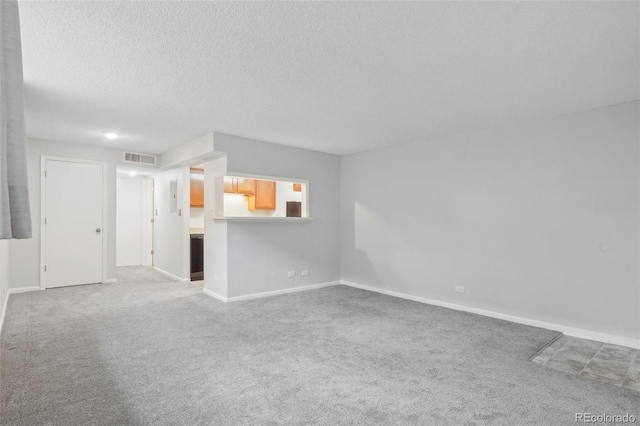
261	219
193	231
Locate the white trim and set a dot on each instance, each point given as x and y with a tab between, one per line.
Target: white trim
169	274
110	281
4	311
186	222
268	293
284	291
265	177
570	331
214	295
105	211
262	219
24	289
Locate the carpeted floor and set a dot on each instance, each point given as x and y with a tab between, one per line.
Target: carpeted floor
150	351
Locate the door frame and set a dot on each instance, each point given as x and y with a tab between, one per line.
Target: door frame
43	194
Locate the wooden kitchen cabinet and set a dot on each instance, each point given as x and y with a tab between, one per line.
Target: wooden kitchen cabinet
234	185
245	186
261	194
197	188
264	197
230	185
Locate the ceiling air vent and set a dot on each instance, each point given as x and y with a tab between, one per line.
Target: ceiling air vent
134	157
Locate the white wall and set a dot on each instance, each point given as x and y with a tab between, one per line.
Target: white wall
171	231
516	215
284	193
215	232
24	255
132	218
261	254
196	218
186	154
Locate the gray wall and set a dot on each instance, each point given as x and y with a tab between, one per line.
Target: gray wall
24	255
516	215
261	254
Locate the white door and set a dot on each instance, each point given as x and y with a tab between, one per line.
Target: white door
129	221
148	223
73	225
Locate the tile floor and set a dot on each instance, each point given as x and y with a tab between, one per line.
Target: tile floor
617	365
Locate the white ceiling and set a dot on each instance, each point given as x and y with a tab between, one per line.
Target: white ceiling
338	77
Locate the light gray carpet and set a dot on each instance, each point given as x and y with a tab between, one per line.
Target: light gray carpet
150	351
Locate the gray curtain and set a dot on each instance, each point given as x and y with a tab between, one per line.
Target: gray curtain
15	217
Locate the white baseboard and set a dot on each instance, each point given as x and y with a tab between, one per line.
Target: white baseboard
4	310
284	291
6	300
214	295
268	293
569	331
175	277
24	289
110	281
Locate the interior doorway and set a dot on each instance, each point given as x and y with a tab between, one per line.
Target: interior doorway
134	220
180	243
196	222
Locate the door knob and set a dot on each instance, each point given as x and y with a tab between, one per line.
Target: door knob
98	230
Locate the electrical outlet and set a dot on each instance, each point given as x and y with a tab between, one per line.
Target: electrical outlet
459	289
292	274
305	272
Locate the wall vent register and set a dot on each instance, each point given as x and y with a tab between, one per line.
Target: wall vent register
135	157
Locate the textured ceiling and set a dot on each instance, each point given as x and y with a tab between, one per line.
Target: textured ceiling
338	77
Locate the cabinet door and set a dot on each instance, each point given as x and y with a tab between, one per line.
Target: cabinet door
265	196
230	185
197	190
245	186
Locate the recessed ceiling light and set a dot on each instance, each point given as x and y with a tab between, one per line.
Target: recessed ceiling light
110	135
133	173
